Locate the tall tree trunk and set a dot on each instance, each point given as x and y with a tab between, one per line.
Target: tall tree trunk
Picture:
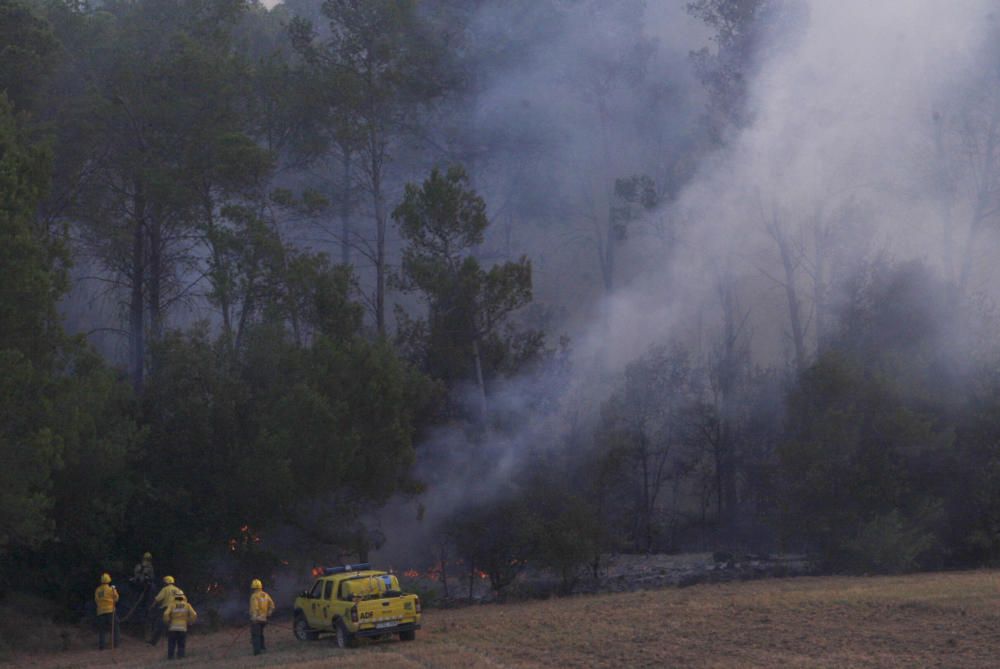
794	308
376	156
477	358
608	261
380	262
155	298
822	237
137	333
728	375
221	285
345	207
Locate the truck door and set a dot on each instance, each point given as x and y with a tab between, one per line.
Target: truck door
313	615
327	601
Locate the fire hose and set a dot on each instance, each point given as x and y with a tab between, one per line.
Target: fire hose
243	628
142	598
229	647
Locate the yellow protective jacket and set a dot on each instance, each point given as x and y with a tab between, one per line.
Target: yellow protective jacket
261	606
106	598
166	595
179	615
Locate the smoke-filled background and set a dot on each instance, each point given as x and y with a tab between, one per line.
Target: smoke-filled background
506	286
860	147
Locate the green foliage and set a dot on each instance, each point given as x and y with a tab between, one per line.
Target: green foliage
381	62
28	52
850	465
725	71
442	222
889	543
571	533
284	430
66	429
30	337
33	261
28	451
498	538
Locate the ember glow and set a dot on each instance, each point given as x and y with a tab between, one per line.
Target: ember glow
436	572
248	537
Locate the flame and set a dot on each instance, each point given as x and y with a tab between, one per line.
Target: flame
436	571
248	537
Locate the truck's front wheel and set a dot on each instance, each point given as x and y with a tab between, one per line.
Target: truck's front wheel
344	638
408	636
301	629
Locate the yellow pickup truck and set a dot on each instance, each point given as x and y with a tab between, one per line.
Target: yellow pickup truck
355	601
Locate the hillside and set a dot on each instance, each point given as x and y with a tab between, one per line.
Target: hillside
909	621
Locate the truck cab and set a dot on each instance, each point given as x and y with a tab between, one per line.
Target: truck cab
355	601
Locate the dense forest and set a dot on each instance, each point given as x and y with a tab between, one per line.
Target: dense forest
511	283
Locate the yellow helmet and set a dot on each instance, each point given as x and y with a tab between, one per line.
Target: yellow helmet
256	584
168	580
105	578
147	556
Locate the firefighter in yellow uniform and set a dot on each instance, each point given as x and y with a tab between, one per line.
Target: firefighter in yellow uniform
261	608
176	617
106	598
143	575
163	599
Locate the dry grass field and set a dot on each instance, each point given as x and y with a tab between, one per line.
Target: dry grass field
933	620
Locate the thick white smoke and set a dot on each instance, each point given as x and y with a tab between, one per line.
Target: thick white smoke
862	141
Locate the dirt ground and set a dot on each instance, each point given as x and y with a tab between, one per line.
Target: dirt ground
933	620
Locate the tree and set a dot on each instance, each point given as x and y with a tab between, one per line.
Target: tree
633	197
30	336
571	533
868	435
646	426
65	421
848	470
382	67
166	112
497	538
442	222
299	423
28	52
738	26
966	168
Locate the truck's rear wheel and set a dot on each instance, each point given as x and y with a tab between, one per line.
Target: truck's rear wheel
301	629
344	638
408	636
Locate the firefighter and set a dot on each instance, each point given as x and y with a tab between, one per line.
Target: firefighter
106	597
162	600
143	575
261	608
176	618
